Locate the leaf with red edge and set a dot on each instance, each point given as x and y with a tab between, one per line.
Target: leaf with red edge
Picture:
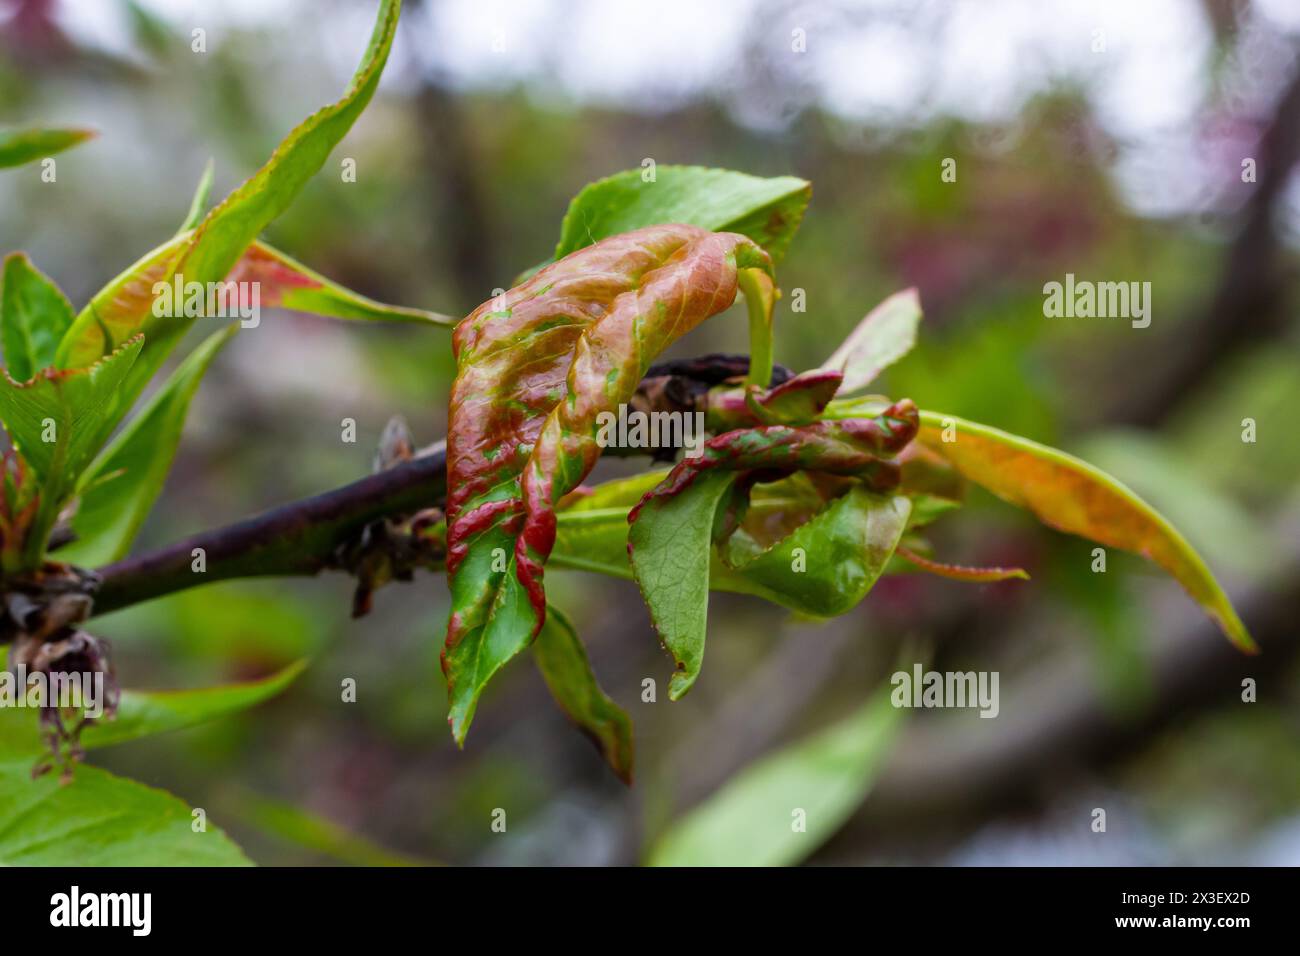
535	369
858	447
960	572
288	284
882	338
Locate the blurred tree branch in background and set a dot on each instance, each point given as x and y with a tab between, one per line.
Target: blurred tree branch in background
1251	303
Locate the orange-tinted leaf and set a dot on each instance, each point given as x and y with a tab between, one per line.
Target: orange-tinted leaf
1073	496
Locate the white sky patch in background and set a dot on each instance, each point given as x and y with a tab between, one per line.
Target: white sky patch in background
640	54
886	63
876	72
464	36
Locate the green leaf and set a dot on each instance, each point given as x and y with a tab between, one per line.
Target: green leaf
119	489
222	237
208	253
199	204
760	302
768	211
671	544
151	31
1073	496
827	565
886	334
845	543
748	822
563	662
34	315
21	146
591	529
101	820
295	825
147	713
77	405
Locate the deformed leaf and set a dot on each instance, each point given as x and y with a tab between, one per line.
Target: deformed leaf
563	662
1073	496
824	567
857	447
824	777
34	315
535	369
768	211
886	334
101	820
122	484
21	146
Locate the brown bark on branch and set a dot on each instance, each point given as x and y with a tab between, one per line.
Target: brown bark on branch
294	539
304	538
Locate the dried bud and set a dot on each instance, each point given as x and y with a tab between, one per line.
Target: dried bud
73	656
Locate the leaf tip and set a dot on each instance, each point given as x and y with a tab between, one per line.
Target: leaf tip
682	682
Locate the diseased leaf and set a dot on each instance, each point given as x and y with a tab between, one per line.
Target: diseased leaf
21	146
147	713
768	211
826	776
671	544
101	820
34	315
824	567
208	253
289	284
120	487
1073	496
58	421
853	447
535	369
563	662
796	401
886	334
